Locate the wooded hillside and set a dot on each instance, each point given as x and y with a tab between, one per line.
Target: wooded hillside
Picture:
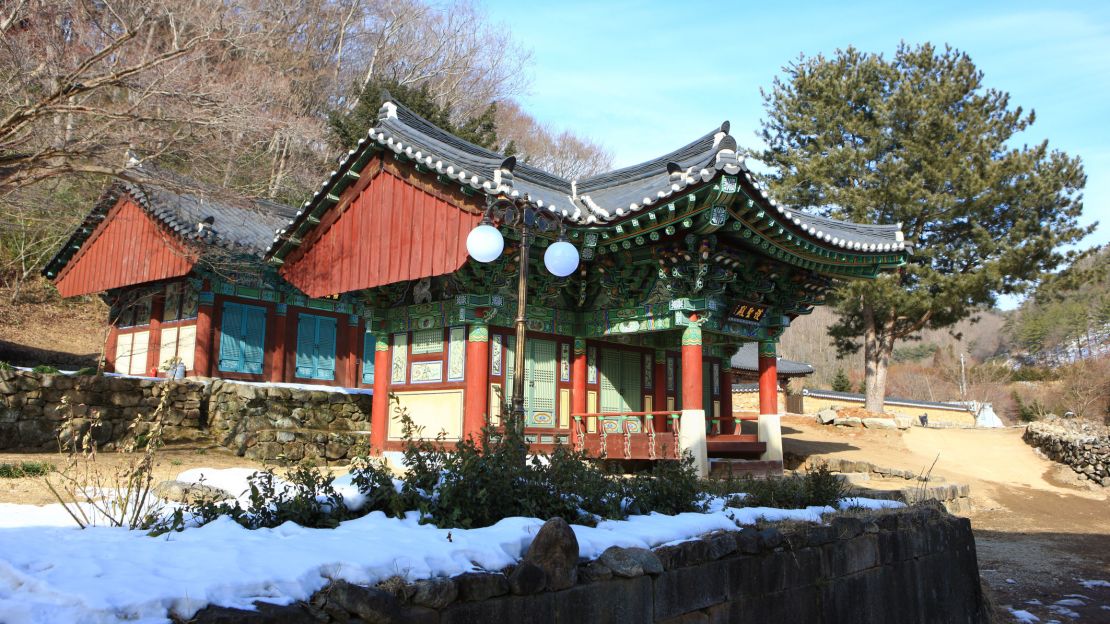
253	96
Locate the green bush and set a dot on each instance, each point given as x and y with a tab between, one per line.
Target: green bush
476	484
5	366
310	501
25	469
86	371
45	369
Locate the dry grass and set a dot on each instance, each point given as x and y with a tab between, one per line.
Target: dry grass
42	328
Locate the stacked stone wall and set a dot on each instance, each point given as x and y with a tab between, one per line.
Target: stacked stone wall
255	420
907	567
275	422
35	408
1081	445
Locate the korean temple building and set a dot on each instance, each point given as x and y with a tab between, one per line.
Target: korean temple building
368	284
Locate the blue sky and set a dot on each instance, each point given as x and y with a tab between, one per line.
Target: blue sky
645	77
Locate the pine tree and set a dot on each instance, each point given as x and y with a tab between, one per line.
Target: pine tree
348	126
840	382
918	140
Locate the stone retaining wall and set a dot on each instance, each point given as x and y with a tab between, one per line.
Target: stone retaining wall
908	567
1083	446
33	407
273	422
258	421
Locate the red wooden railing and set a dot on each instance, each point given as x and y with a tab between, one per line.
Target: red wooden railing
645	422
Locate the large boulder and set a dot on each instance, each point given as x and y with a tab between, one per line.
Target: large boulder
621	562
826	416
879	423
555	551
847	421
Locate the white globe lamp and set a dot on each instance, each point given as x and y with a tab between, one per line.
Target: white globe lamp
561	258
485	243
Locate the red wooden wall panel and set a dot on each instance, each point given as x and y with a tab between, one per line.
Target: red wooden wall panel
391	232
128	247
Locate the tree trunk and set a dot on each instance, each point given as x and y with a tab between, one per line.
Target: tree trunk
878	344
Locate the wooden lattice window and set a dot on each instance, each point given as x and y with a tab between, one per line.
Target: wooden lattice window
620	381
427	341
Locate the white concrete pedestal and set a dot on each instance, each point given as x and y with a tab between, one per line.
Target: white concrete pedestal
691	437
770	432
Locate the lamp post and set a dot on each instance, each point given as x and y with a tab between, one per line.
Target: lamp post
485	244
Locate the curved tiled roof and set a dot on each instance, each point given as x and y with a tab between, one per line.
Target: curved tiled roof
595	200
237	224
747	359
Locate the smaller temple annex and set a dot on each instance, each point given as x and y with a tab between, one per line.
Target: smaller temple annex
682	261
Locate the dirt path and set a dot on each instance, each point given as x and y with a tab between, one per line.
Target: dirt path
1039	530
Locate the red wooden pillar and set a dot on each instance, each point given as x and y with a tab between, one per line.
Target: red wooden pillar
379	416
154	342
476	408
768	379
727	424
692	366
659	391
578	378
205	344
110	346
350	353
278	338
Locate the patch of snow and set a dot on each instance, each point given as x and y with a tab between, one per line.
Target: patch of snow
1021	615
1094	583
52	571
232	480
1034	602
1070	602
1064	611
1011	581
870	503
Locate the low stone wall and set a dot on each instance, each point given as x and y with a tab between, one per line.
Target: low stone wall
33	407
1083	446
955	497
274	422
907	567
258	421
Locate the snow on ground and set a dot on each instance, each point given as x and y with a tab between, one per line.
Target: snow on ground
1094	583
1021	615
51	571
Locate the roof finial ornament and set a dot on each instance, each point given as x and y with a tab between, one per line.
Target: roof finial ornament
388	109
725	126
503	175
